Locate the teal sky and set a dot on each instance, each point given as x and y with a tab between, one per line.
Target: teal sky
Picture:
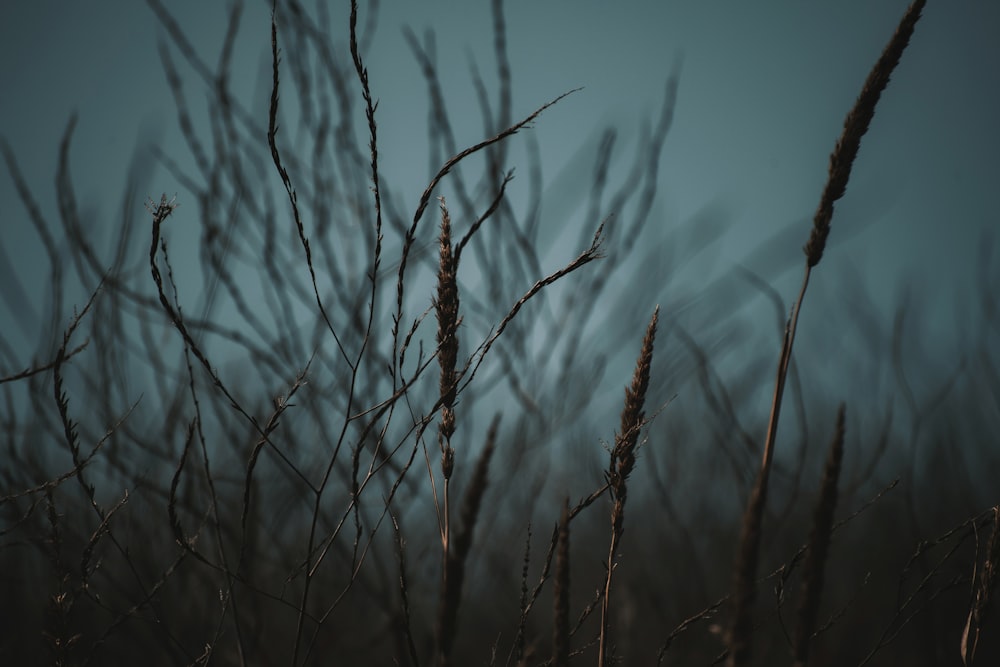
764	88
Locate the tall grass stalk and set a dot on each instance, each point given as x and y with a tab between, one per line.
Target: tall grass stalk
819	544
841	160
621	465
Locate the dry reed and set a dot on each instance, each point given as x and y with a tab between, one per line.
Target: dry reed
560	594
841	161
819	543
454	566
446	306
984	592
619	469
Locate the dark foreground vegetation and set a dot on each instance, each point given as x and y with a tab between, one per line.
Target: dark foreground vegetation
364	433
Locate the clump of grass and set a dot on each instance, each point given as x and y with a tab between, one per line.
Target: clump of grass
276	493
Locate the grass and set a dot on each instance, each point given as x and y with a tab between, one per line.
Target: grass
296	507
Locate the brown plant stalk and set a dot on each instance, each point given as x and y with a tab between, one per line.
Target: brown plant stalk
454	566
983	598
620	467
560	594
841	160
819	543
446	307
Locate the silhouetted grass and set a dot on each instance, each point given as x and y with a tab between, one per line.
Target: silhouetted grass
263	453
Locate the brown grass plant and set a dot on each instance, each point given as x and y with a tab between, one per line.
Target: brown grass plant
984	591
560	593
841	161
818	546
456	557
446	306
621	465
